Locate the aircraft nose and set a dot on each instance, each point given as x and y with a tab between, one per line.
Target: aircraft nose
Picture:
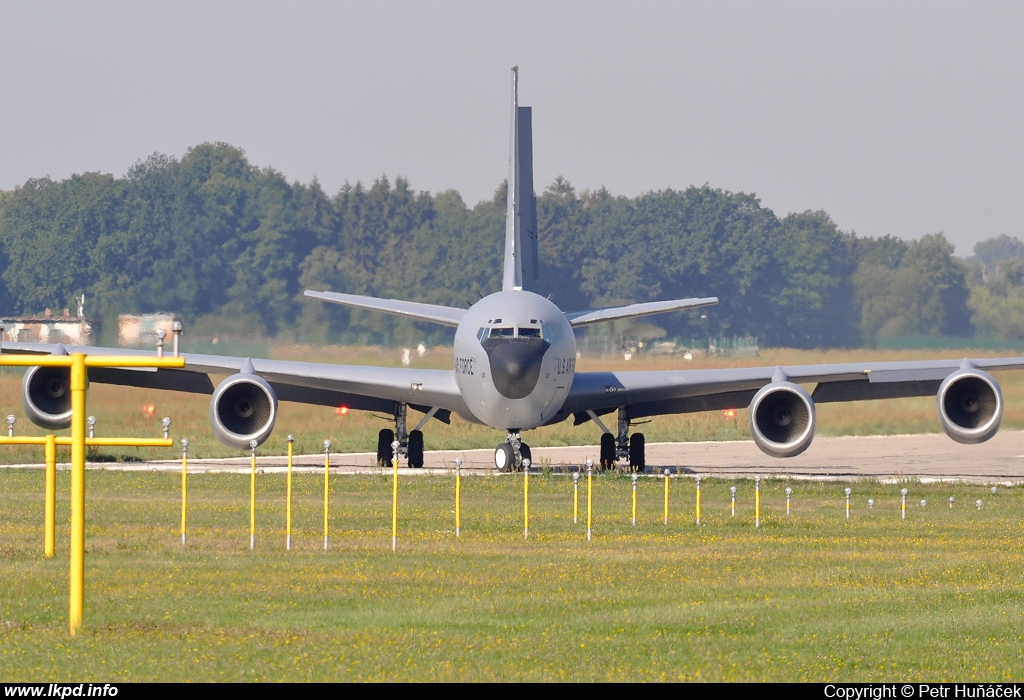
515	365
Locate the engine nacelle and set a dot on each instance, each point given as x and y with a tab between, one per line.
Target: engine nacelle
46	396
243	408
970	406
782	419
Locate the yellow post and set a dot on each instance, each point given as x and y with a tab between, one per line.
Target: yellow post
184	488
698	500
757	501
78	441
51	495
666	496
327	488
590	499
394	500
288	504
458	497
635	477
526	502
575	497
252	498
77	574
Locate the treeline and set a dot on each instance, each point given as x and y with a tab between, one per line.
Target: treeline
231	247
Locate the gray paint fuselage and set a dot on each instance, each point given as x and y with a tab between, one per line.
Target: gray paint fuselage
515	359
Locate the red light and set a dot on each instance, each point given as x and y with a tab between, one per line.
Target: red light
729	413
341	410
149	409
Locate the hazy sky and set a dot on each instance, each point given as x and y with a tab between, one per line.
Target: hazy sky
903	118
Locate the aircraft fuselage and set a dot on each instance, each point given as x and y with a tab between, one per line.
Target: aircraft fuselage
515	359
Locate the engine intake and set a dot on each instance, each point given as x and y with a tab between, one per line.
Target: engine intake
243	408
782	419
970	406
46	396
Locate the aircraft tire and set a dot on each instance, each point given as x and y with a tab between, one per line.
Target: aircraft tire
504	458
607	451
637	458
385	453
525	453
416	449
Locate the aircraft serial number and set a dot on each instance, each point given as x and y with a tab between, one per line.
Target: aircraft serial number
464	365
565	365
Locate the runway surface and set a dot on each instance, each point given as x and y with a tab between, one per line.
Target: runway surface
922	457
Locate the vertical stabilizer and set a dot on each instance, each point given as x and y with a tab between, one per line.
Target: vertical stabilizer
522	263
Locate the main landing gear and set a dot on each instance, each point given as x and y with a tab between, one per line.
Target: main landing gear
511	454
410	442
621	446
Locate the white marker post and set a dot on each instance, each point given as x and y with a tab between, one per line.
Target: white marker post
635	477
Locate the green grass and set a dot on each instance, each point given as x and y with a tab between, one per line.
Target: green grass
809	597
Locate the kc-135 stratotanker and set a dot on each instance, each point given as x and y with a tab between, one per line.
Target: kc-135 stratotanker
515	369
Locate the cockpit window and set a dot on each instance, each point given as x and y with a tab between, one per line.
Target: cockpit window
503	332
529	332
548	335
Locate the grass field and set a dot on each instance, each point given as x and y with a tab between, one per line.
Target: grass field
119	409
807	597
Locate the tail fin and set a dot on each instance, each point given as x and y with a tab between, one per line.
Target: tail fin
522	262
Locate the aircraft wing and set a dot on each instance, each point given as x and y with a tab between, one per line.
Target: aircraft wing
445	315
654	393
355	386
647	308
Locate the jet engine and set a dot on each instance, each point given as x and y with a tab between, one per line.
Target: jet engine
46	396
243	408
970	406
782	419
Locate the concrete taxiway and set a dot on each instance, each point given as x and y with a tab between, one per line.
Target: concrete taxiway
920	457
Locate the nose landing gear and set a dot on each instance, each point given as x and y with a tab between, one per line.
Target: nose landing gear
510	455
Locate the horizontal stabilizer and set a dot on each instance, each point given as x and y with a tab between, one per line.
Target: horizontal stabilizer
445	315
583	318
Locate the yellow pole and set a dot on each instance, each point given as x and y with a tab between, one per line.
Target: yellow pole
288	505
51	495
394	500
666	496
757	501
590	499
327	488
458	497
698	500
77	598
526	502
184	488
252	498
635	477
575	498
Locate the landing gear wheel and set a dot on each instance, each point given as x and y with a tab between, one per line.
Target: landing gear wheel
524	453
384	451
504	458
416	449
607	451
637	459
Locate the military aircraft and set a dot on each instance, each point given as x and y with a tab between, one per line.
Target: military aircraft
515	369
